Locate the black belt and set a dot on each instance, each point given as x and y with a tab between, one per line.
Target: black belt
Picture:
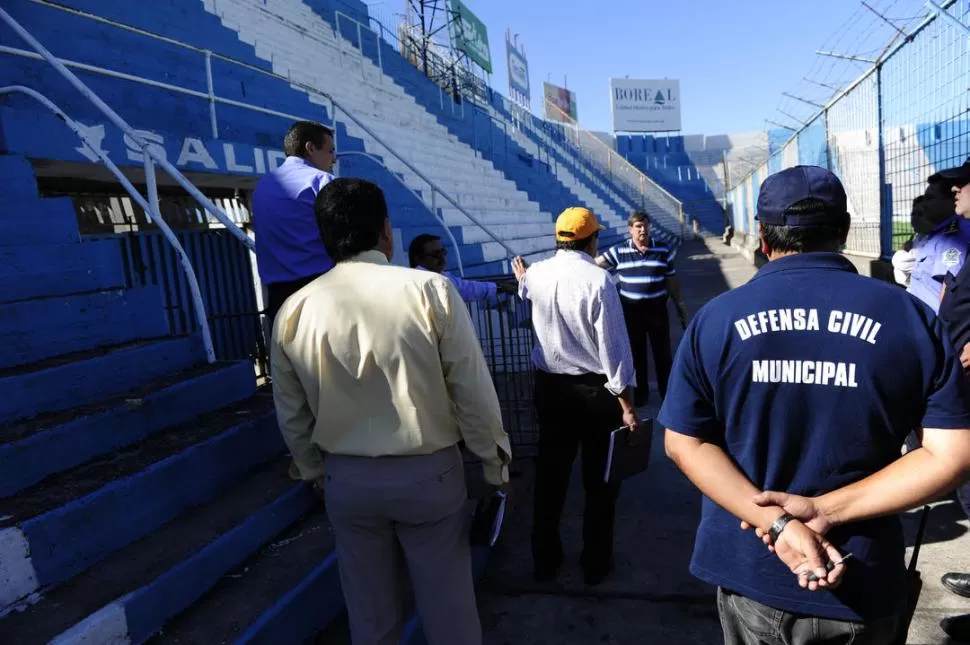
588	379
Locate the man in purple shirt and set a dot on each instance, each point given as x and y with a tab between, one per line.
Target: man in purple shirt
289	251
427	253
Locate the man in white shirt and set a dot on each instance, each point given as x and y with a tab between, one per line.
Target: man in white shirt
386	381
583	391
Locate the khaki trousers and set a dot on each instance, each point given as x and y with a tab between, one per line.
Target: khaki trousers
376	504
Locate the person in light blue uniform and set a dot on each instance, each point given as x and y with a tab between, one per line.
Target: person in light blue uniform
787	406
939	247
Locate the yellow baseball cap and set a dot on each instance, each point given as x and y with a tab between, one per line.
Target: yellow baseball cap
576	223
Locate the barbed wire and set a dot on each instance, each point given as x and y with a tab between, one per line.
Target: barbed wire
864	36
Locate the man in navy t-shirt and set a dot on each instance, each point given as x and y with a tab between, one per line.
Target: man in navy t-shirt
806	380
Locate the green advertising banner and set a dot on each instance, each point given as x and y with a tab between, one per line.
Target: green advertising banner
470	35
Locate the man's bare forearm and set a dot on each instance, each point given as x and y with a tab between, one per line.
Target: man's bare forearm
626	400
919	477
713	472
673	286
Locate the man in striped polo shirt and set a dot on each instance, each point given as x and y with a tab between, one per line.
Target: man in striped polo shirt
646	273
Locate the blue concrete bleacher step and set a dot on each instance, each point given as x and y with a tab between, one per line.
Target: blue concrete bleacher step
44	270
38	221
70	521
18	176
41	446
133	592
72	380
38	329
231	612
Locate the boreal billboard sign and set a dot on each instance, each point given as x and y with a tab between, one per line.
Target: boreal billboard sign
645	105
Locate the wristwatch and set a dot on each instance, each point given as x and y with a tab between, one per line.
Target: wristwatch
779	526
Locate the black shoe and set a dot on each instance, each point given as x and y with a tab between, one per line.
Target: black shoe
958	583
957	627
593	577
547	572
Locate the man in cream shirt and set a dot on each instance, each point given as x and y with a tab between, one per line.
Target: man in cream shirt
378	368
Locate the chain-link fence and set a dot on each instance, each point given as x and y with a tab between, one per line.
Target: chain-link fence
903	120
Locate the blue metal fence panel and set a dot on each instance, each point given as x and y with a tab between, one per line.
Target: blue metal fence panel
225	274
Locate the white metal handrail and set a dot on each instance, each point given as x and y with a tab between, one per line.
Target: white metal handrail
150	152
566	147
62	66
150	206
578	152
360	38
644	182
434	211
434	187
615	161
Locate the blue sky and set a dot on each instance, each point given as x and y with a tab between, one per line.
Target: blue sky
734	58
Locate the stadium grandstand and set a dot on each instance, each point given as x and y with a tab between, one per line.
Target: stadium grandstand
141	469
144	492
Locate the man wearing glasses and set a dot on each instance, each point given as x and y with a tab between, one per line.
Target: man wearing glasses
427	253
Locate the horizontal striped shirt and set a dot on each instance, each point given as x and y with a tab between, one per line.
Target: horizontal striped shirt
641	275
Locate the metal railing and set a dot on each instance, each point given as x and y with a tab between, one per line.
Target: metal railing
63	65
524	124
433	208
444	73
632	184
435	189
540	135
337	15
150	206
621	171
550	137
637	186
151	158
885	133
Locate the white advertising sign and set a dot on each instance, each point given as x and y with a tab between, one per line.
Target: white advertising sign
645	105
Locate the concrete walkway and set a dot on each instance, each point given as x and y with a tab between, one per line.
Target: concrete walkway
652	597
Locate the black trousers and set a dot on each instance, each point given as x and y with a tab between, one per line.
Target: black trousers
649	319
746	622
278	292
575	413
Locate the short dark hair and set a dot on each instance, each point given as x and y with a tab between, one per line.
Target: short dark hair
416	248
806	239
351	215
575	245
302	133
637	216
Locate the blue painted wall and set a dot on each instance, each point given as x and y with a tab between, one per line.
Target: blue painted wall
248	143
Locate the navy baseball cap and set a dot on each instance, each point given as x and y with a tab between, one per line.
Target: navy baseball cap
958	175
784	189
